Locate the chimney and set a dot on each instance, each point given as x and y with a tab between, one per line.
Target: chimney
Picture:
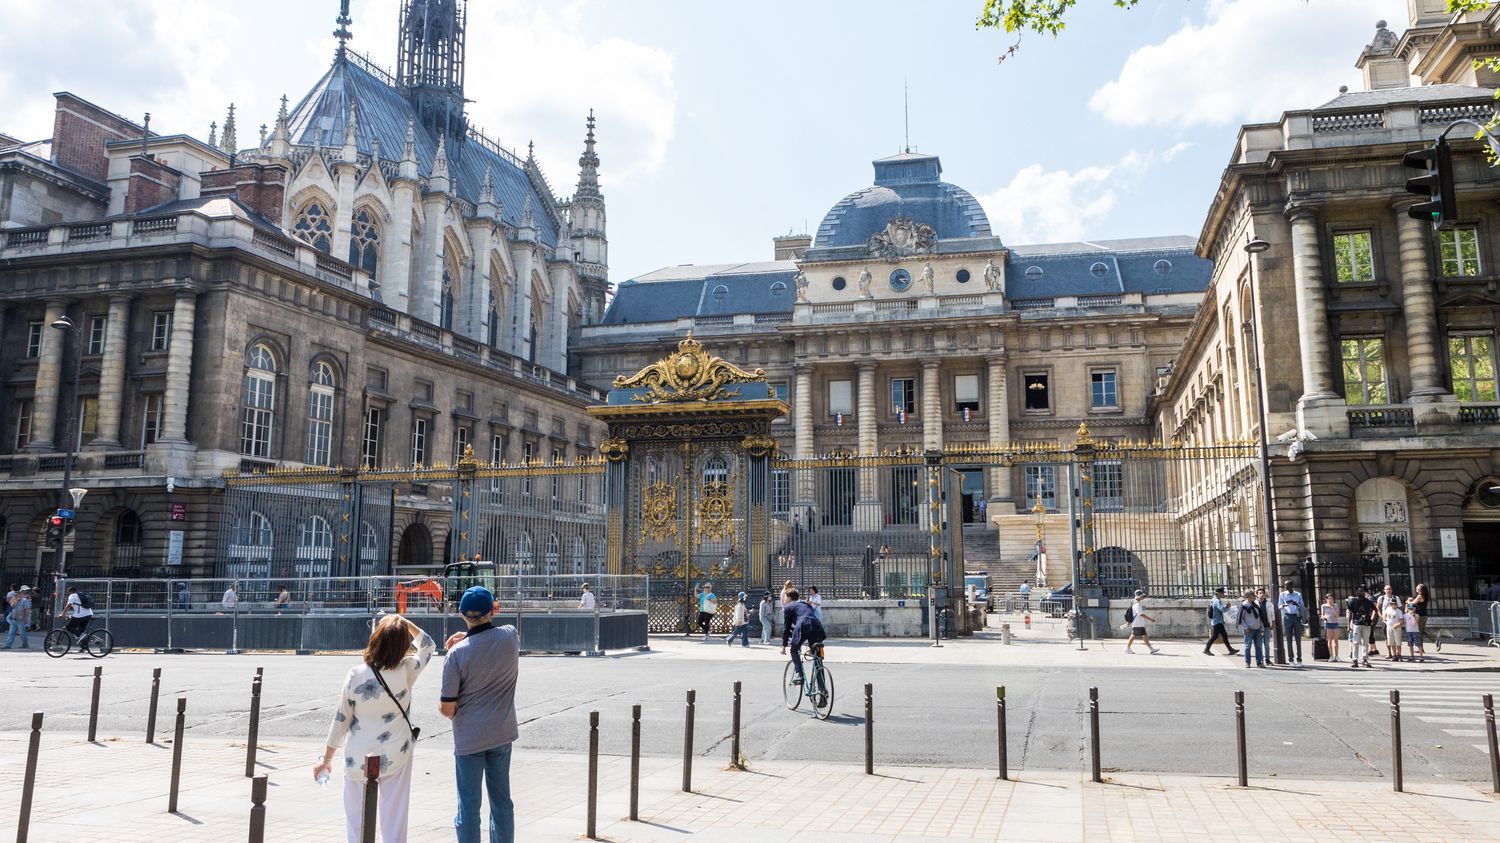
152	183
261	187
791	247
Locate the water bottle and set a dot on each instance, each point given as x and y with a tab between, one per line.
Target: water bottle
323	778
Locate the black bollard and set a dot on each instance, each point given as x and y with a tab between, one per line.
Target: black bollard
635	762
258	810
734	743
1239	738
1396	740
869	729
1489	728
1094	734
252	744
28	788
687	744
177	753
1000	734
151	714
593	773
94	704
372	798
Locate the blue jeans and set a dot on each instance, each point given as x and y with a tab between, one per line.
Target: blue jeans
491	769
16	627
1291	627
1255	638
741	632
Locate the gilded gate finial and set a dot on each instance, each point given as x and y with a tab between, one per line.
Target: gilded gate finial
688	374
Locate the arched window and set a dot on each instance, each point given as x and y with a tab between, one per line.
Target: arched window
450	294
580	555
369	544
531	338
252	536
314	226
320	415
364	241
554	552
260	402
523	552
314	547
127	550
494	323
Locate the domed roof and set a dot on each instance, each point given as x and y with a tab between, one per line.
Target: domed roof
906	185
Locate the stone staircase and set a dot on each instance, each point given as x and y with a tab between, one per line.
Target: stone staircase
1003	549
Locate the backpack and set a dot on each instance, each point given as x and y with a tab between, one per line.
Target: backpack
1249	616
1209	612
1130	613
86	600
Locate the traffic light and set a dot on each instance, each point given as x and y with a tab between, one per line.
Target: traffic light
1437	185
56	527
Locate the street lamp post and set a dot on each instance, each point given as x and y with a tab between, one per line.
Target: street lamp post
1253	247
1039	512
69	497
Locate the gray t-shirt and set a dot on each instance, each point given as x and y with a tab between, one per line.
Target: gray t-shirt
480	675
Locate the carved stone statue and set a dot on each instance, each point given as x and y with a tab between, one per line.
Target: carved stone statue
928	283
864	284
992	277
801	282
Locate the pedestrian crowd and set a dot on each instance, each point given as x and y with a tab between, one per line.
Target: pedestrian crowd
741	613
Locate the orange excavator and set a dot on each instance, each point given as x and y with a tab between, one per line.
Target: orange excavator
425	593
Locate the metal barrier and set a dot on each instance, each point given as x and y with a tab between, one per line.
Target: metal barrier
1484	621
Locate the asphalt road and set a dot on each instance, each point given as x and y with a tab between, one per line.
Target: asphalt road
1322	723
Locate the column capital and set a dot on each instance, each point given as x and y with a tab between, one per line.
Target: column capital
1401	203
929	365
187	293
802	369
1302	211
865	365
998	359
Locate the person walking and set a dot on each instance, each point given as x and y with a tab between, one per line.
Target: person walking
1135	618
786	590
1422	602
1331	624
740	623
1293	612
1216	617
10	597
231	598
19	620
1252	620
708	606
1395	627
867	573
1359	610
184	599
816	601
479	696
586	600
767	618
283	600
1025	592
1413	625
373	718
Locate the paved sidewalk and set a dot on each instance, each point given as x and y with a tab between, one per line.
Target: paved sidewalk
116	790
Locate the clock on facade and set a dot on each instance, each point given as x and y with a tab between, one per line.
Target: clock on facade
900	280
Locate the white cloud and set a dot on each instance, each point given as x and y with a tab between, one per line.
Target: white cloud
1051	206
1249	60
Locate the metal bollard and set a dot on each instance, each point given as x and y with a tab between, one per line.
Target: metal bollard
1000	734
258	809
869	729
635	762
177	753
1489	728
734	743
1094	734
151	714
372	798
94	704
593	774
1396	740
1239	738
687	744
28	788
253	742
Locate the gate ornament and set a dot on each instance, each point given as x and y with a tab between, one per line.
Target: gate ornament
614	449
688	374
659	512
758	446
716	512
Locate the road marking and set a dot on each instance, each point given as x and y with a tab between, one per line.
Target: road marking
1455	721
1466	733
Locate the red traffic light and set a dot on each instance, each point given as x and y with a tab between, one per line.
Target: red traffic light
56	521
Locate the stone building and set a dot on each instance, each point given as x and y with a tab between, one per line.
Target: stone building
1375	333
373	283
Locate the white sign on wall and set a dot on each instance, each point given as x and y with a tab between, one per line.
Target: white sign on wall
1448	536
174	547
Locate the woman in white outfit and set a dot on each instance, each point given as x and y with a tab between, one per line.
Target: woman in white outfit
372	717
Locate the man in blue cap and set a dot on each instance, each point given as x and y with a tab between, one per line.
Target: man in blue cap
479	696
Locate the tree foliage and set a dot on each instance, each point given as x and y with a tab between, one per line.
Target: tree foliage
1020	16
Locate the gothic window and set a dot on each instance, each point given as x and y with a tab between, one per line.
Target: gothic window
450	282
260	403
531	339
494	321
364	241
320	415
314	227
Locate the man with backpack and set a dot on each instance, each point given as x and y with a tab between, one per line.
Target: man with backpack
1253	622
79	611
1135	618
1216	617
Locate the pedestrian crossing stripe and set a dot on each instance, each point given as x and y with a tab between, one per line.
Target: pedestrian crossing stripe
1452	701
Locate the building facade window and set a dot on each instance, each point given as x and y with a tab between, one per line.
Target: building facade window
1459	250
1036	392
1353	259
369	451
151	417
320	415
260	403
497	448
1109	486
314	227
88	421
98	326
528	453
557	457
1102	392
903	396
161	330
1041	480
460	441
364	241
966	393
34	339
1364	370
781	493
419	440
23	423
840	398
1471	359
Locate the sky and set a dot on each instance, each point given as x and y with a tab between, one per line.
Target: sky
724	124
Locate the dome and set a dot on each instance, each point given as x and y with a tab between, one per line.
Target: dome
906	185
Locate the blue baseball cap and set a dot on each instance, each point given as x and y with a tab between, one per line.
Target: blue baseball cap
476	602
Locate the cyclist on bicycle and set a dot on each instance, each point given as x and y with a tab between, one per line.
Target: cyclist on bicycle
78	615
799	626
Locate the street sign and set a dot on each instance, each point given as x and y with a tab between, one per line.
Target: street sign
174	547
179	512
65	513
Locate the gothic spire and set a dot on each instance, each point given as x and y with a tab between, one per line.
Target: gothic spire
430	63
343	33
408	165
588	166
213	134
280	134
438	179
487	188
227	143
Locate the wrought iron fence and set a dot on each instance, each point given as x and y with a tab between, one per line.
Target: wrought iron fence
1449	582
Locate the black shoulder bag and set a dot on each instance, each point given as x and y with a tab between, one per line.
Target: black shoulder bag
416	732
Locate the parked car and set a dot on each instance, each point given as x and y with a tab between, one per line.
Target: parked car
1058	602
980	583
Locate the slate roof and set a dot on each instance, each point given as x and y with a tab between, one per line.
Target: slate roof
382	114
906	185
711	290
1139	265
1416	93
218	207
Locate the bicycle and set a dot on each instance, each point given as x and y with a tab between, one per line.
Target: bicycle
819	684
97	643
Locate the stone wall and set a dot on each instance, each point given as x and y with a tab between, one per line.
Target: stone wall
872	619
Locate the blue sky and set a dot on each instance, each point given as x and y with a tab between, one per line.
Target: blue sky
723	124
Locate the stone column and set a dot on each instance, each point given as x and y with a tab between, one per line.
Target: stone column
867	511
1420	310
179	368
932	406
999	410
112	375
48	380
803	490
1320	410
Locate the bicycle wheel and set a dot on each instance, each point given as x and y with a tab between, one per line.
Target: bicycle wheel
58	643
792	693
822	698
99	643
